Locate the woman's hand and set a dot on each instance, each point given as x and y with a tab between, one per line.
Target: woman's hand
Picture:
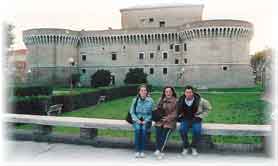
164	118
141	122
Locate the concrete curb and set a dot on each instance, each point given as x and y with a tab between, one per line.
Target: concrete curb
114	142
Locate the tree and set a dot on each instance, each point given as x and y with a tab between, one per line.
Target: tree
9	35
136	76
258	61
101	78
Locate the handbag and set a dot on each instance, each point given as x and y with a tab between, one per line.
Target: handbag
128	117
158	113
156	116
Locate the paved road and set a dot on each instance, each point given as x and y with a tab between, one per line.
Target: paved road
21	152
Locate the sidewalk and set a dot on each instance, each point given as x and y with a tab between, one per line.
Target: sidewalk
23	151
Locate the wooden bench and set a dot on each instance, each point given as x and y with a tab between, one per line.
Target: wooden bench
55	110
88	126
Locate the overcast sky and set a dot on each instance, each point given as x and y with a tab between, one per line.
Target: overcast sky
101	14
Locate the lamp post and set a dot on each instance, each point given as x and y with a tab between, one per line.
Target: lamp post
29	76
180	75
71	62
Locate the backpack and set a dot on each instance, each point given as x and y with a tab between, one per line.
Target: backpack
128	117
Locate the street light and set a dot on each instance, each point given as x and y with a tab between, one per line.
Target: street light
29	76
180	74
71	62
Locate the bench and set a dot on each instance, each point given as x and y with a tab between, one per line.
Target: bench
55	110
101	99
89	126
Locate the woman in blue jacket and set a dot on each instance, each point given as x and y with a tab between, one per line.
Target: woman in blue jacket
141	113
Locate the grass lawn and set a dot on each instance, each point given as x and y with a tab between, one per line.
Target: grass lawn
229	108
75	91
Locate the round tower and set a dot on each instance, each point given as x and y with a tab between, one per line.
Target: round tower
49	53
218	50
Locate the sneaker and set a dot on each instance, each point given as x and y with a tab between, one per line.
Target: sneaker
184	152
159	157
156	153
137	155
194	152
142	154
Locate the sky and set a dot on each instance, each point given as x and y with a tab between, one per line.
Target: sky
99	15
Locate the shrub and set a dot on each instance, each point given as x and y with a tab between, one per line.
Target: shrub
135	76
33	91
101	78
34	105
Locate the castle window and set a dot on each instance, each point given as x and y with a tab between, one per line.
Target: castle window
151	70
165	55
151	55
185	60
161	24
114	56
184	47
158	47
151	19
171	46
123	47
177	48
176	61
84	57
225	68
141	55
84	71
164	70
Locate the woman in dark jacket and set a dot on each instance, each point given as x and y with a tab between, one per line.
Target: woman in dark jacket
167	109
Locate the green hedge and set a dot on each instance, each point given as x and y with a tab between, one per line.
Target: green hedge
34	105
32	91
75	101
37	104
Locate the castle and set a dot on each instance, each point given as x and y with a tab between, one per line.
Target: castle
172	44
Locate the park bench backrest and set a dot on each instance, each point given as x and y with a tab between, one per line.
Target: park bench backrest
55	110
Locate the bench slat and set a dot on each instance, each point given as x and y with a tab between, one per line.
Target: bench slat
208	128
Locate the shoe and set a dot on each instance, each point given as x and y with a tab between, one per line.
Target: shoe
142	154
194	152
156	153
159	157
184	152
137	155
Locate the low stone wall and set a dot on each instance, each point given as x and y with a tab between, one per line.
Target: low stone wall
205	146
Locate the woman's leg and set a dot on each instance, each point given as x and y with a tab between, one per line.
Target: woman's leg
165	136
136	137
158	138
184	128
143	137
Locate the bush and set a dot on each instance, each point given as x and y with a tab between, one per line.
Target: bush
101	78
136	76
34	105
86	99
33	91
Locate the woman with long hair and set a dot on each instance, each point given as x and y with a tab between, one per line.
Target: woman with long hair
141	113
167	110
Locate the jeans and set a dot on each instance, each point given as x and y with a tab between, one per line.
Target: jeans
196	131
140	134
162	135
